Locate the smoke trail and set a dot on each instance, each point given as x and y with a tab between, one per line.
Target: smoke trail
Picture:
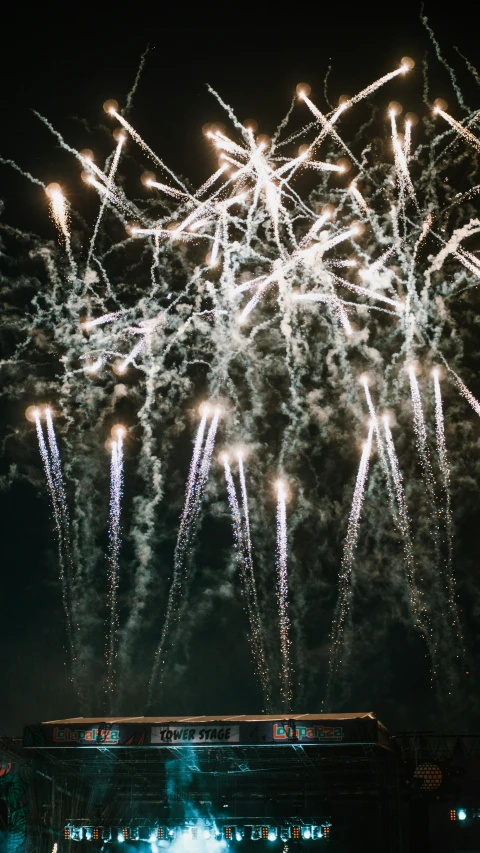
109	189
133	90
379	438
337	636
421	442
416	595
465	392
282	596
244	550
445	471
116	489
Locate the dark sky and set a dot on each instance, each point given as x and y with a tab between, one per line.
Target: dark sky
64	62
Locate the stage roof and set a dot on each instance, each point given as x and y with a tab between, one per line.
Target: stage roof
200	731
240	718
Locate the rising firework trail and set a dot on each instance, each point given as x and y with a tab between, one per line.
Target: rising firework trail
417	603
246	564
116	489
60	513
282	596
259	632
447	503
197	478
345	577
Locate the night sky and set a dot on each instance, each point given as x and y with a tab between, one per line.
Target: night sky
65	66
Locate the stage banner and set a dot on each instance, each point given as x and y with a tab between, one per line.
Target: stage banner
323	731
86	734
187	734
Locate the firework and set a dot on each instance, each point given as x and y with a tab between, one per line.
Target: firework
240	287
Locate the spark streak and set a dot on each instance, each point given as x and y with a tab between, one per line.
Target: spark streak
196	482
445	471
116	490
461	130
344	593
282	596
61	521
243	545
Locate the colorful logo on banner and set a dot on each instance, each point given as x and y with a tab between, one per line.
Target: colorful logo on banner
313	732
195	734
85	736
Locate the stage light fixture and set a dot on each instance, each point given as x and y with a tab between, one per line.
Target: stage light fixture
284	833
228	832
88	833
306	833
125	833
257	833
295	832
272	833
239	834
461	814
76	833
265	832
453	814
316	833
66	833
134	833
326	830
106	834
96	833
120	837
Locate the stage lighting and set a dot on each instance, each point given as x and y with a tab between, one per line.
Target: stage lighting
120	837
272	833
76	833
125	833
96	833
207	834
66	833
88	833
171	834
295	832
453	814
239	834
306	833
160	833
461	814
326	830
106	834
265	832
316	833
134	833
285	833
257	833
228	832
